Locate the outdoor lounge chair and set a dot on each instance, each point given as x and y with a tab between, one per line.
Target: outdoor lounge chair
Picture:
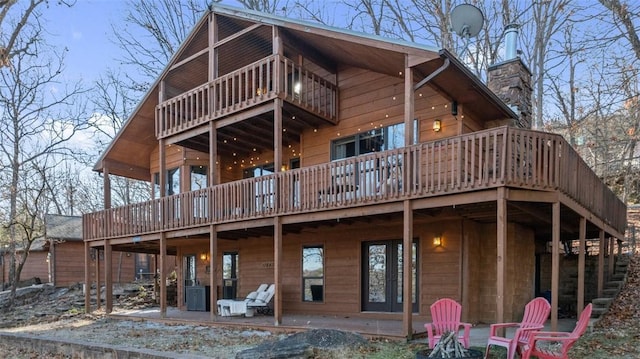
229	307
555	345
535	314
261	303
445	316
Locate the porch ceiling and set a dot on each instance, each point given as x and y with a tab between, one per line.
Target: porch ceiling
534	215
244	139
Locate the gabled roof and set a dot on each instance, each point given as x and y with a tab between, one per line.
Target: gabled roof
63	227
129	154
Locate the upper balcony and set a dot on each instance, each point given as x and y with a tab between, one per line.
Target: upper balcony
505	156
259	82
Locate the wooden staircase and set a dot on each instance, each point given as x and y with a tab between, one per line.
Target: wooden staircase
611	288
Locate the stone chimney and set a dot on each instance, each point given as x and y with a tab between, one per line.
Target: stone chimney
510	80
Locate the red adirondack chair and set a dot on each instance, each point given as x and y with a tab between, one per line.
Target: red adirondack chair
555	345
535	314
445	314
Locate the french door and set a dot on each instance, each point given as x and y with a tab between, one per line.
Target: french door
382	272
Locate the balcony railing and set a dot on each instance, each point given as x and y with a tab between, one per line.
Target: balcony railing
244	88
487	159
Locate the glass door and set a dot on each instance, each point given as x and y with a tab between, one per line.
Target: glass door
383	276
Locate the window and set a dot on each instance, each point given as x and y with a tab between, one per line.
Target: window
313	274
173	182
198	177
229	275
382	139
264	189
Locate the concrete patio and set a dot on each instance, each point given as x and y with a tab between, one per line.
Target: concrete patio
372	328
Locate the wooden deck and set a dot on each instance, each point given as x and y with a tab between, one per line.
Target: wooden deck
482	160
247	87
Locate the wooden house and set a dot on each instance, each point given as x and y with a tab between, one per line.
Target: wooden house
287	152
35	269
64	244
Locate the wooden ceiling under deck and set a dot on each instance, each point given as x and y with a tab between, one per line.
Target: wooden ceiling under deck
241	138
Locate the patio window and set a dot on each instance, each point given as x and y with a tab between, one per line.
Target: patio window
380	139
313	274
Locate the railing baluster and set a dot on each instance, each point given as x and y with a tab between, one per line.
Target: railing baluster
505	155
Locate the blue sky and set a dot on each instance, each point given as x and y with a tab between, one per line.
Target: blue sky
85	29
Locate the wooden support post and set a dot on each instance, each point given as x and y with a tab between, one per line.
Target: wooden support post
213	270
180	287
87	278
213	158
501	253
407	270
277	136
581	263
555	263
409	106
98	286
277	269
163	274
611	261
106	187
108	280
601	264
162	174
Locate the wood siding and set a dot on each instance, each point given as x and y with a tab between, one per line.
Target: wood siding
342	263
35	266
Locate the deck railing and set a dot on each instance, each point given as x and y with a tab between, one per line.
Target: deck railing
244	88
481	160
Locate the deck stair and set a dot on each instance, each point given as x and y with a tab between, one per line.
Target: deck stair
611	288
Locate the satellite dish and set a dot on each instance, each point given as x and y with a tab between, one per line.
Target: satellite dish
466	20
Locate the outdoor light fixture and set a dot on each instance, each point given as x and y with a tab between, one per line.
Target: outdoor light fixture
437	241
437	125
204	256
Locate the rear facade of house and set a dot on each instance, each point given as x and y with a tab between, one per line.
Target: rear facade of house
365	177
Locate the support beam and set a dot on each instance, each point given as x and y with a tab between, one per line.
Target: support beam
407	272
163	275
106	186
98	286
277	137
277	270
213	155
162	154
213	270
581	263
108	280
409	107
555	264
611	261
601	250
501	254
87	278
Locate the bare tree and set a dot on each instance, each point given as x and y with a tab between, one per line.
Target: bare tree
548	20
112	103
153	32
624	17
39	115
